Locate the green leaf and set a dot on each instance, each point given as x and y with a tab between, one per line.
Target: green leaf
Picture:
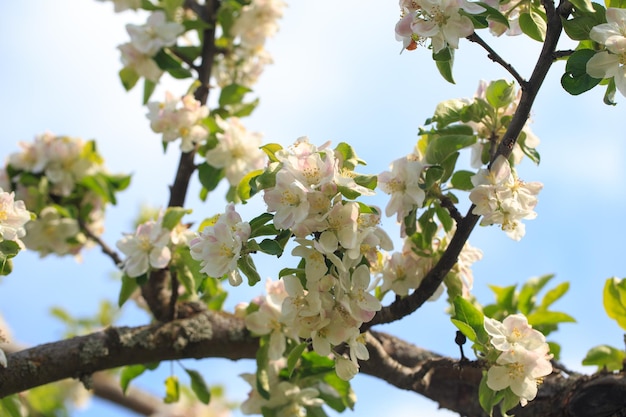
129	373
447	112
11	405
244	189
614	300
172	390
270	149
246	265
171	65
441	147
294	357
529	291
493	14
148	89
553	295
575	80
433	174
232	94
466	329
555	350
605	356
500	93
348	156
344	399
173	216
533	25
505	297
445	69
466	312
620	4
543	318
578	27
259	222
271	247
199	386
9	249
487	397
128	77
583	5
129	285
262	362
210	176
462	180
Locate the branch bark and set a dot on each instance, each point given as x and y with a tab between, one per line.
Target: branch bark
453	384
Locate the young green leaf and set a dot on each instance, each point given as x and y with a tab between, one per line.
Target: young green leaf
467	313
605	356
199	386
129	285
614	299
172	390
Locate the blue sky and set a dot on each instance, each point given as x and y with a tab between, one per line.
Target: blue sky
338	76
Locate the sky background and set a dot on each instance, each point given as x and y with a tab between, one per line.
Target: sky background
337	76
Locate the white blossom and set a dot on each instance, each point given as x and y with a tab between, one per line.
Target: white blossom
237	152
146	248
155	34
13	217
218	246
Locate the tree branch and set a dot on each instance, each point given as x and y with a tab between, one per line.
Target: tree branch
451	383
495	57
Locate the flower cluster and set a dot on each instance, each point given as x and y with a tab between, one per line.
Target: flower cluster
63	181
523	357
246	57
218	246
237	151
179	118
502	198
610	63
442	21
327	298
146	41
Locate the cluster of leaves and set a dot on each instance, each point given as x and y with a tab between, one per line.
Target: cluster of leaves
585	15
614	300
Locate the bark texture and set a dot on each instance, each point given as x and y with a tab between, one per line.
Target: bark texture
452	383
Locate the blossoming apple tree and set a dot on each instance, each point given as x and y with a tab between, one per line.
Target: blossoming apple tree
317	324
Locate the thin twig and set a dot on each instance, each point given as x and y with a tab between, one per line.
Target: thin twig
106	249
495	57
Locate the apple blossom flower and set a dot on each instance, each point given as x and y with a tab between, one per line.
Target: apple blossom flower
155	34
501	198
182	119
439	20
257	21
288	198
146	248
402	183
13	217
139	62
218	246
237	151
266	320
520	370
512	332
241	66
53	233
610	63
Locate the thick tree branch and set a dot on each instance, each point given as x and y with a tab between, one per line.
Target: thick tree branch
451	383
